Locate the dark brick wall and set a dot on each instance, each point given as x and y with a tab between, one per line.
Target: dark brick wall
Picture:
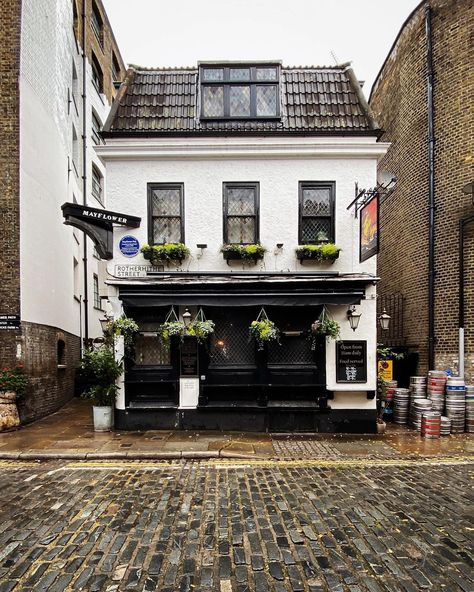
50	386
10	19
399	101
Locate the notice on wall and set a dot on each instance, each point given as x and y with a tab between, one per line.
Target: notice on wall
189	358
385	370
9	322
130	271
351	361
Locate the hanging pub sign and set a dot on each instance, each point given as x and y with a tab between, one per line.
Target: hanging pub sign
9	322
369	229
351	361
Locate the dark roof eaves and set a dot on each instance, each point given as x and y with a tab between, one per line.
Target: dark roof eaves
252	133
361	97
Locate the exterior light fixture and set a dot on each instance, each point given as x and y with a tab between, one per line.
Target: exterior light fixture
384	320
104	322
186	317
353	317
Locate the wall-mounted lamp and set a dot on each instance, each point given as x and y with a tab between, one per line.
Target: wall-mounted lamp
353	317
104	322
186	317
384	320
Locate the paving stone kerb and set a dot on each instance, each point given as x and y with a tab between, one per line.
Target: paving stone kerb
193	526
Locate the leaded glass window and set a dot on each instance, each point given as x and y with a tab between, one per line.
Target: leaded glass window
240	213
149	349
165	205
316	211
240	92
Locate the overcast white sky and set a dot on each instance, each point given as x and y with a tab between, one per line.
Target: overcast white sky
156	33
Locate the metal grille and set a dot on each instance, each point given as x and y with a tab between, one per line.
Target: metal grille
292	351
315	229
241	230
393	304
240	200
266	101
167	230
239	97
149	351
230	343
213	101
316	202
166	202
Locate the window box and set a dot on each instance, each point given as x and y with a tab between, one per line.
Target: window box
327	253
166	252
243	252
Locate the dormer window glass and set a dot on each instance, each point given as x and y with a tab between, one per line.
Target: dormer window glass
240	92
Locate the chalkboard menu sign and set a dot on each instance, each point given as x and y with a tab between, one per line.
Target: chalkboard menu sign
189	358
351	361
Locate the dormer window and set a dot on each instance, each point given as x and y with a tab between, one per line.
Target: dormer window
240	91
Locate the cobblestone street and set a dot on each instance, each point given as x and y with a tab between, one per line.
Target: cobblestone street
340	525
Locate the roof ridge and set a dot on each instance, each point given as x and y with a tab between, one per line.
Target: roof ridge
170	69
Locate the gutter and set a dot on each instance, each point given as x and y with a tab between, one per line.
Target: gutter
84	168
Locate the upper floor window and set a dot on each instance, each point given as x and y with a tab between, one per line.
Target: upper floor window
115	67
240	91
241	203
96	127
165	213
97	76
97	184
97	24
316	212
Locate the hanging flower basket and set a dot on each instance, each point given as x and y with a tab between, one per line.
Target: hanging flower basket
165	253
263	330
200	328
233	252
324	326
327	253
126	327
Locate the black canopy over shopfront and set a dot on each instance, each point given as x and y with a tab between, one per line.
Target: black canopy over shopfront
281	387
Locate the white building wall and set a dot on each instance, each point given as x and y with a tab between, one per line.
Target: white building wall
50	294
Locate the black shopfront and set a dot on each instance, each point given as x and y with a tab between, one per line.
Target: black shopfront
279	388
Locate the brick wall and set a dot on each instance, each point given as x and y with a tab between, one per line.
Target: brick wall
400	104
50	385
10	19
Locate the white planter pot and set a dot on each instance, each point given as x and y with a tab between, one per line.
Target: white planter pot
103	418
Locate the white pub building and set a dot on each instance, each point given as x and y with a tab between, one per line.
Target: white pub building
238	179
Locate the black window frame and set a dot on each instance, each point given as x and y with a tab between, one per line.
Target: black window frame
96	290
96	173
247	184
150	188
96	126
97	74
331	185
227	83
97	24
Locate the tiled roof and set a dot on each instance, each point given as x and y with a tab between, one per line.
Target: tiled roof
313	100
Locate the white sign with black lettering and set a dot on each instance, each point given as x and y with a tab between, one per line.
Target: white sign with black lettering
131	271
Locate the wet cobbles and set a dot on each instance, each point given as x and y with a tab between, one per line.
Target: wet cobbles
227	527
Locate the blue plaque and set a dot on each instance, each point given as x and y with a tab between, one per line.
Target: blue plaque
129	246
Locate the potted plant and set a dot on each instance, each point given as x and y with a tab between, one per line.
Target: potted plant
99	369
236	252
324	326
13	385
263	330
323	253
200	328
126	327
166	252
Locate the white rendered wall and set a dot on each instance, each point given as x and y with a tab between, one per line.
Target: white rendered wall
47	177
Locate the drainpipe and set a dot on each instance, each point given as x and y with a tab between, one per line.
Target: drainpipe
431	190
84	165
462	225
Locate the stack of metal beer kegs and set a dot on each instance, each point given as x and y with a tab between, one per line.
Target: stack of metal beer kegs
470	408
456	403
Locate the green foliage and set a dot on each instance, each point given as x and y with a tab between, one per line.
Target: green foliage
171	329
165	252
198	329
99	370
13	379
384	353
328	252
255	251
264	331
325	326
201	330
122	326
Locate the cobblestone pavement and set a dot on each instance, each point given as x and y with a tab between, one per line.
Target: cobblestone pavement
349	525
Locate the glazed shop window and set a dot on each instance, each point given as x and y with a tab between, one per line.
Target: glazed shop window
165	213
240	91
241	215
149	350
316	212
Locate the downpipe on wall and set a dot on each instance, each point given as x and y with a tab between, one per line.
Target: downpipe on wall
84	167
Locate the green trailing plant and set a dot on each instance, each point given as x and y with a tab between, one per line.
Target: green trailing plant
263	330
14	380
255	251
99	370
170	329
201	330
324	326
198	329
328	252
165	252
126	327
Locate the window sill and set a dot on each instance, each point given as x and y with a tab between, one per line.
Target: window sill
62	366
